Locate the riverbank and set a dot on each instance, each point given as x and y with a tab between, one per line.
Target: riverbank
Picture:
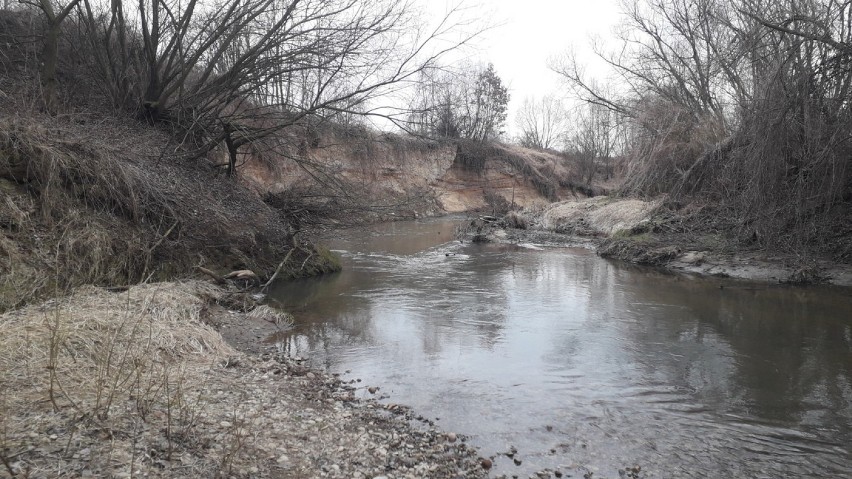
646	233
100	378
140	383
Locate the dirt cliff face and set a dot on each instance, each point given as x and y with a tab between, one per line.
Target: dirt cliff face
447	177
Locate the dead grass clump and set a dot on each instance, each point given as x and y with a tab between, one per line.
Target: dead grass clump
271	315
513	219
64	170
100	374
69	212
598	216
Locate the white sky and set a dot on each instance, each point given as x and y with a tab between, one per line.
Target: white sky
530	32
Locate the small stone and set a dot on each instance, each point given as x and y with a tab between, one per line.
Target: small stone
225	424
53	437
310	375
282	459
486	463
549	427
517	461
372	389
451	437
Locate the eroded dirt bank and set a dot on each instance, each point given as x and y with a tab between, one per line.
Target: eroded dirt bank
643	232
140	384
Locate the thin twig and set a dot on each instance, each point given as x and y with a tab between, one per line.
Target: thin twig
278	269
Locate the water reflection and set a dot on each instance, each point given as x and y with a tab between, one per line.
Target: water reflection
585	364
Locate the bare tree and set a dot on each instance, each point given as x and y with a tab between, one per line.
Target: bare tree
54	15
233	72
687	52
469	103
594	139
746	102
543	123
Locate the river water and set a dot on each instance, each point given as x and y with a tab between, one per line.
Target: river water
582	364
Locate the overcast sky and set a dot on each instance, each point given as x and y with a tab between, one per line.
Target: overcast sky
530	32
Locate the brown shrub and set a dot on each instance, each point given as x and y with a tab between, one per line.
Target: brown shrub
667	139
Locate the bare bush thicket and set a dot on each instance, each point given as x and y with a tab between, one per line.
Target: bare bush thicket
743	105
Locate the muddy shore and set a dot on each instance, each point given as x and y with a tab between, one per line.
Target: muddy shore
629	230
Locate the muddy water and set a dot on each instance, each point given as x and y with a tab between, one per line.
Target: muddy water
585	365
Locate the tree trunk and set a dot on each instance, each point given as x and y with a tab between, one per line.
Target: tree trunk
49	63
50	51
50	57
232	148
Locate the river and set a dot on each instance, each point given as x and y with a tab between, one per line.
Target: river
585	365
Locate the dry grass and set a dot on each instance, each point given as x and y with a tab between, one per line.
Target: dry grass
70	209
599	215
96	372
133	384
95	204
516	220
271	315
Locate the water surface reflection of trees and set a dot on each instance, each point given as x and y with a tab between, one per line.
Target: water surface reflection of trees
777	353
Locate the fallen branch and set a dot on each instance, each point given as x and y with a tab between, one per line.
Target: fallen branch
278	269
216	277
5	460
152	248
243	275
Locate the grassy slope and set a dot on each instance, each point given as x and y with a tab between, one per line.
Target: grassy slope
84	205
